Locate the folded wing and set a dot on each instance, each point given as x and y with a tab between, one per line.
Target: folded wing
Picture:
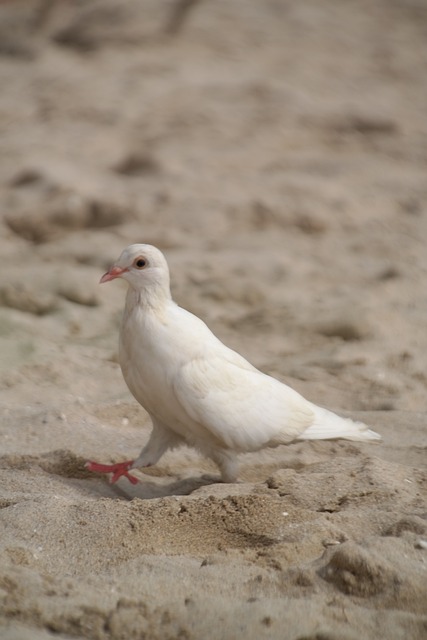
242	407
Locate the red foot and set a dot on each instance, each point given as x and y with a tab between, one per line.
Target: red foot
118	470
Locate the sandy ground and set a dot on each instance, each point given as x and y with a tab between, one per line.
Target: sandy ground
277	152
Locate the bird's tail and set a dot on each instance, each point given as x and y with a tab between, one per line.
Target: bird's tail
329	426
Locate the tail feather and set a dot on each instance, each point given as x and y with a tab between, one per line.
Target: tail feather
329	426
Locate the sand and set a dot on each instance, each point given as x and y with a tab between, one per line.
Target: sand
276	152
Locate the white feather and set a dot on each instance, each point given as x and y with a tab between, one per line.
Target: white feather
328	426
197	390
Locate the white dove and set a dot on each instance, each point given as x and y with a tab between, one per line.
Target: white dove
196	390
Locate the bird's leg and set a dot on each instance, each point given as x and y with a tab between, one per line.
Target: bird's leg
118	470
161	439
227	463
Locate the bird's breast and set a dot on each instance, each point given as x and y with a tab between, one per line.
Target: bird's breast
149	357
153	352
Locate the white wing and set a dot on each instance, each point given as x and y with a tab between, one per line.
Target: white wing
242	407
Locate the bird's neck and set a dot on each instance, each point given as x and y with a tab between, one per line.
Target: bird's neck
153	299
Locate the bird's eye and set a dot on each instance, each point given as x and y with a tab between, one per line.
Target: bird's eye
140	263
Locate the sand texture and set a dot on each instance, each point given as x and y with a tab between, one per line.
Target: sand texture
276	151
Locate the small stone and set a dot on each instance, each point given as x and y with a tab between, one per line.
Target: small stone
421	544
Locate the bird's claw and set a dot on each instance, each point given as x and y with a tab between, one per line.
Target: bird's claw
118	470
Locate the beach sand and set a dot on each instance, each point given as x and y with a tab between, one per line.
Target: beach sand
276	152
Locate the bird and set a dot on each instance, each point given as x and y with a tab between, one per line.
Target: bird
196	390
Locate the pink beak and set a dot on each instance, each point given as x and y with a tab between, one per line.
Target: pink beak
114	272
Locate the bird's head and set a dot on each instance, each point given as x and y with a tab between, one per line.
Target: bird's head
143	266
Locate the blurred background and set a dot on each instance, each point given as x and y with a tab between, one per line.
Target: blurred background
276	151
